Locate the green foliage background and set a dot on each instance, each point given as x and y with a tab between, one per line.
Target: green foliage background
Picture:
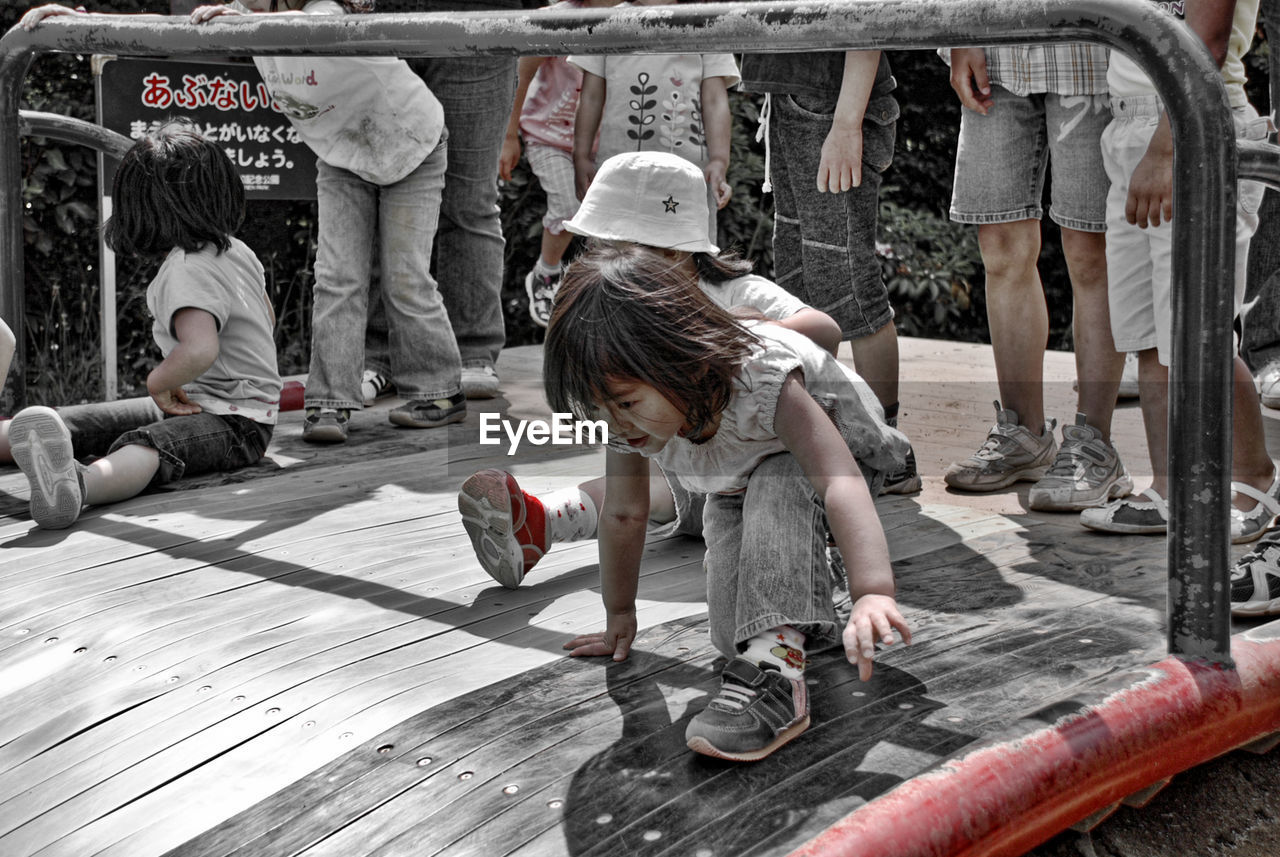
932	267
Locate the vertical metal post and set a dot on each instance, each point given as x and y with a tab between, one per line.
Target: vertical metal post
13	69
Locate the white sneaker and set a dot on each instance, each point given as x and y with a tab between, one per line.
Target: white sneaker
479	382
374	385
1269	385
42	449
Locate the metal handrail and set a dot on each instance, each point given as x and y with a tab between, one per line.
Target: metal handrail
1181	69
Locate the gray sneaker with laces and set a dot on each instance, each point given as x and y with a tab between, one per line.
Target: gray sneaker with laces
755	713
1011	453
1086	472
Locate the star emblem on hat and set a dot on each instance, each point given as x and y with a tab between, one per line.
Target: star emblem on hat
670	202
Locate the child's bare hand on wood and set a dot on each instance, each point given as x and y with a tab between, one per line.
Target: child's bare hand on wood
615	640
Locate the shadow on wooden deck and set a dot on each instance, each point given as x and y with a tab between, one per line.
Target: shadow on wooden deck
305	658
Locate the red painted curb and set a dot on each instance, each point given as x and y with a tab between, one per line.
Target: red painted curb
1008	794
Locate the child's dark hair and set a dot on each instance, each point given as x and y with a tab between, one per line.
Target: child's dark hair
174	188
721	267
627	311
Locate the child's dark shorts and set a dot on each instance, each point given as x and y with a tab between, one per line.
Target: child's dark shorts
188	445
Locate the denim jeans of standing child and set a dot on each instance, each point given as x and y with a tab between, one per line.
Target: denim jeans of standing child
422	354
766	559
188	445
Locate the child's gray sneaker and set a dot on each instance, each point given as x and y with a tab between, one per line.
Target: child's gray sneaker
1011	453
756	712
1086	472
906	479
430	414
1255	580
41	447
325	425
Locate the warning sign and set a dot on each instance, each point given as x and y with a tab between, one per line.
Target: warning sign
230	105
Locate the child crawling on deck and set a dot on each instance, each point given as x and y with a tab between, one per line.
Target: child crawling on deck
784	441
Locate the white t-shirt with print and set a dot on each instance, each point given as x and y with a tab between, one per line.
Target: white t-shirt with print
653	102
371	115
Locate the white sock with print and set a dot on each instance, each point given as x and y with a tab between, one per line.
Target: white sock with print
781	648
571	515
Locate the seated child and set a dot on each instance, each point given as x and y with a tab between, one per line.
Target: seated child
784	441
511	530
215	395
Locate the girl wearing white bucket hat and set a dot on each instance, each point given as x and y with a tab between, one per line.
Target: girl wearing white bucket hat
658	200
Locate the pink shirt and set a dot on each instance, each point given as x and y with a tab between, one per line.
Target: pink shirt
546	117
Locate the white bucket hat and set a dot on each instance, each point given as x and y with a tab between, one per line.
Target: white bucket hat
653	198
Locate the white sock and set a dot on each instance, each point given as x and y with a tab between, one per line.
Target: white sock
781	648
571	515
546	270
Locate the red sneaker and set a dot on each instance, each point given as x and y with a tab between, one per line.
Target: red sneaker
508	527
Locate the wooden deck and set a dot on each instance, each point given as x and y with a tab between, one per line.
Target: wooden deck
306	658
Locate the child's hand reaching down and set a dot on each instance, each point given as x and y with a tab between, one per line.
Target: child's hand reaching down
872	620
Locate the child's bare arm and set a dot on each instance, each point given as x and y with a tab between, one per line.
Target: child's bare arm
510	155
624	518
717	128
851	513
197	348
585	125
817	326
841	165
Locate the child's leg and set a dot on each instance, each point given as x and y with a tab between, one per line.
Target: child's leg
344	265
123	474
424	354
554	169
768	598
511	529
45	445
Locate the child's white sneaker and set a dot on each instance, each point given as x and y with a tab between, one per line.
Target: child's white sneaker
41	446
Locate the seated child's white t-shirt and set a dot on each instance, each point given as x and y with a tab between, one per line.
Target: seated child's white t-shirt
244	379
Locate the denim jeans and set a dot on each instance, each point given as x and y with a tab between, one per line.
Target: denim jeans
1260	317
824	244
476	93
188	446
422	354
766	559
